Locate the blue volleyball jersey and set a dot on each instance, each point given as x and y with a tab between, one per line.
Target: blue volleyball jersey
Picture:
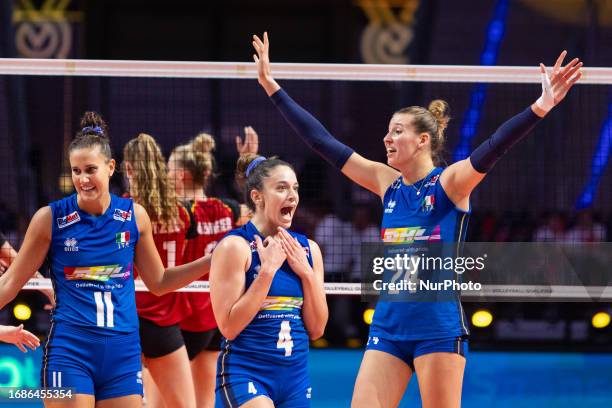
92	265
277	334
416	214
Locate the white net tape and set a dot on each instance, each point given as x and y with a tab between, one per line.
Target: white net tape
246	70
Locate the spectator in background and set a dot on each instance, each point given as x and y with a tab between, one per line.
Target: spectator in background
553	228
365	230
334	236
586	229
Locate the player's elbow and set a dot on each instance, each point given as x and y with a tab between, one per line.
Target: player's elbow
227	331
156	288
316	333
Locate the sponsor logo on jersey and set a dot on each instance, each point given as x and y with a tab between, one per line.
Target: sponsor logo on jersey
286	303
390	207
122	239
409	235
428	203
121	215
309	393
70	245
70	219
97	273
432	181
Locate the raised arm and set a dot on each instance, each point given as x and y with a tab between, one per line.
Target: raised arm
462	177
235	308
30	257
371	175
150	267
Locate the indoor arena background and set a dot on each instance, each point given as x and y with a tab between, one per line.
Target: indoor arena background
557	182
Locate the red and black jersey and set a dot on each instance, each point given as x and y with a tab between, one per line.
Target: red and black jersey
171	308
211	219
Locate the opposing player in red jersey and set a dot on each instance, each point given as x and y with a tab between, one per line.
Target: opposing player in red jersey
162	343
191	167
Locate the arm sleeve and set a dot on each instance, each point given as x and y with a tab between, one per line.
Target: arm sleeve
484	157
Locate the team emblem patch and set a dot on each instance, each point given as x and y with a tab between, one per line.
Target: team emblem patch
428	203
122	239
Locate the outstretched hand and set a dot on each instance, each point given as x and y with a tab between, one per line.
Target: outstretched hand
262	60
19	337
250	144
556	85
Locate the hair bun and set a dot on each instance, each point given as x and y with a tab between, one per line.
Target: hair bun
441	112
242	165
203	143
93	124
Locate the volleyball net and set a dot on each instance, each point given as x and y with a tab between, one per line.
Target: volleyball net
554	186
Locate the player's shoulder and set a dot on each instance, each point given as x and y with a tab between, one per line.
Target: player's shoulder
234	244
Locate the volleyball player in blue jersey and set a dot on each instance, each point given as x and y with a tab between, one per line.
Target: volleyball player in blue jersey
92	239
406	337
266	287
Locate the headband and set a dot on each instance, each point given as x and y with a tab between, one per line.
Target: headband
254	164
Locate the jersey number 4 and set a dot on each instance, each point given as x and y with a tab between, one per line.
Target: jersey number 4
284	338
104	302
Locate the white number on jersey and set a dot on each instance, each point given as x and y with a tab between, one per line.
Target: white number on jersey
411	274
284	338
170	247
252	389
104	301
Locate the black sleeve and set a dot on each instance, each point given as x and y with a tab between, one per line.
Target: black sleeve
192	232
234	206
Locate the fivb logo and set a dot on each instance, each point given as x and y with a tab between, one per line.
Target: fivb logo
122	239
70	219
70	245
121	215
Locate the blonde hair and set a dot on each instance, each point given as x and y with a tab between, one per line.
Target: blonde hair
150	186
433	121
196	157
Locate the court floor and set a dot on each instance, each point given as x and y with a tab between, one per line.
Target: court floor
492	379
